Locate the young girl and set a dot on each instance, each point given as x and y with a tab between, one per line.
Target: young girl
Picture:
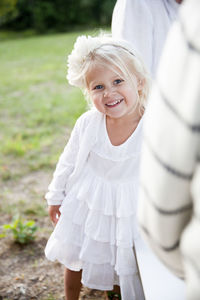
93	195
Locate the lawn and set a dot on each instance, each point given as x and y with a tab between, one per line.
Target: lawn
36	103
37	111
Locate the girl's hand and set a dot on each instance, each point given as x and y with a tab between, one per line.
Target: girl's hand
54	213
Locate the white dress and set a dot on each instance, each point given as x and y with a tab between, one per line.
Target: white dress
97	226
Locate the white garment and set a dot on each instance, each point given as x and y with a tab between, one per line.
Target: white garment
83	138
97	227
145	24
169	210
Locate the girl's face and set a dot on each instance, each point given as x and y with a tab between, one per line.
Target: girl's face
110	92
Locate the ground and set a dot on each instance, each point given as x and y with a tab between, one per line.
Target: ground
25	272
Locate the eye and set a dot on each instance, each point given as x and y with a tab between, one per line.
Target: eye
118	81
98	87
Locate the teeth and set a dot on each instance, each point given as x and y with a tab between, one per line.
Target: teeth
113	103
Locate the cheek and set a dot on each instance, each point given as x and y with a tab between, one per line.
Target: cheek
132	91
96	100
132	96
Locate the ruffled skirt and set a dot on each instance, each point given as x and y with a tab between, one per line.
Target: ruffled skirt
96	232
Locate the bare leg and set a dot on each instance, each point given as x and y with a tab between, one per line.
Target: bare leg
72	281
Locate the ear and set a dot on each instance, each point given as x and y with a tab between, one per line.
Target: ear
140	84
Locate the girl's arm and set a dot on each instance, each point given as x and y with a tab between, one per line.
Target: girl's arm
64	168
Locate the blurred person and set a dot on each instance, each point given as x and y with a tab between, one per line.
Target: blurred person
169	202
93	195
145	24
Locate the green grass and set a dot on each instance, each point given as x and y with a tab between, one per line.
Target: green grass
37	105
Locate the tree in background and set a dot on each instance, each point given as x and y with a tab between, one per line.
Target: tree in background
57	15
7	10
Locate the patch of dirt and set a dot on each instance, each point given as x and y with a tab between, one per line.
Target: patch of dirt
24	271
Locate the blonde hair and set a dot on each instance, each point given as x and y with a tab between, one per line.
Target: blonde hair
115	54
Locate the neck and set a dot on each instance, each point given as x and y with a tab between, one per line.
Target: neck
120	129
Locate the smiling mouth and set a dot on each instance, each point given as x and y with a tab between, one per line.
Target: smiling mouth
114	103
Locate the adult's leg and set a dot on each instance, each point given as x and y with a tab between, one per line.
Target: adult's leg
72	281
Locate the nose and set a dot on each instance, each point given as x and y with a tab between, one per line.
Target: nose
109	91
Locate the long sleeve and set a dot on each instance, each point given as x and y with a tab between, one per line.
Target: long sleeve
64	169
169	205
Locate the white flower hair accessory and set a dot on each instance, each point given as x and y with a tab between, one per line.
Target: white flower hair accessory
82	48
106	50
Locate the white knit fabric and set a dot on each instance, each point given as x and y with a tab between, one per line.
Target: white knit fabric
97	227
145	24
169	206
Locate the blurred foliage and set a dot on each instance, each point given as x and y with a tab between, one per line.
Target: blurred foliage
23	231
7	6
54	15
7	10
